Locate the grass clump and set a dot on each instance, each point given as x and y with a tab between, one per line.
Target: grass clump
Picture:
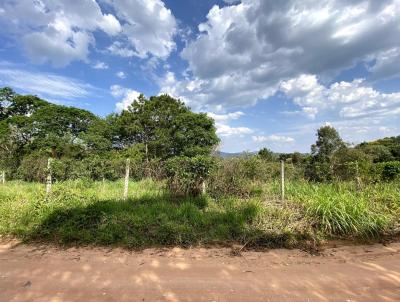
93	213
341	209
88	212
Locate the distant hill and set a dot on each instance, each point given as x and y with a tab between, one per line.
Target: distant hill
392	144
235	154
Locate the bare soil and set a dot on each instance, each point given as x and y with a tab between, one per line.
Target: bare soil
343	273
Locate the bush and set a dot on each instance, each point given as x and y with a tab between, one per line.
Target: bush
391	171
242	177
186	175
33	167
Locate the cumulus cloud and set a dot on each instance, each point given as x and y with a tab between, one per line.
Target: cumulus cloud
245	50
117	48
60	32
127	95
347	99
225	117
225	130
148	26
57	31
273	138
121	74
100	65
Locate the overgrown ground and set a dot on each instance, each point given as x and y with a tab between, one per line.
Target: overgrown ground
86	212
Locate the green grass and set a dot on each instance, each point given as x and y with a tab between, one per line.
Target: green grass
341	209
93	213
86	212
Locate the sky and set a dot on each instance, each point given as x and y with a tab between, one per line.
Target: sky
269	72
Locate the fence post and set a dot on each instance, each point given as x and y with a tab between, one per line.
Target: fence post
282	180
203	187
3	177
126	179
48	178
358	179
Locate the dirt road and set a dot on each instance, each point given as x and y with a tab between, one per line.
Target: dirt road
355	273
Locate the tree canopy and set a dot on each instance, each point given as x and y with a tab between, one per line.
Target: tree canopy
158	127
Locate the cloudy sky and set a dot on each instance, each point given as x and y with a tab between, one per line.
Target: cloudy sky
269	72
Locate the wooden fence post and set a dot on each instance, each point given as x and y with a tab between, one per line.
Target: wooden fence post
203	187
3	177
48	178
282	180
358	179
126	179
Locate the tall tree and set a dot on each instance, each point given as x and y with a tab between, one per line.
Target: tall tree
165	127
6	97
328	141
319	167
266	154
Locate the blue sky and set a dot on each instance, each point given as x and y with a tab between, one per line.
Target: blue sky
269	72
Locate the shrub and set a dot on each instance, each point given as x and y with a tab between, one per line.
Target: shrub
391	171
186	175
241	177
33	167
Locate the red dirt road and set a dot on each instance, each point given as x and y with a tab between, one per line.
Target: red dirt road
350	273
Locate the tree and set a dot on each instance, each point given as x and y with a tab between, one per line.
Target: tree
165	127
378	149
6	97
379	153
297	158
319	167
266	154
328	141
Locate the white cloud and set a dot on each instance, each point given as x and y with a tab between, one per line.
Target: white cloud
223	129
128	96
273	138
118	49
100	65
121	74
45	85
148	26
225	117
347	99
58	32
226	130
244	51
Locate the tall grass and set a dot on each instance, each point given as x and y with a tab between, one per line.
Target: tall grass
93	213
343	209
87	212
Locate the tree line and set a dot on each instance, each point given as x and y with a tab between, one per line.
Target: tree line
162	137
153	129
332	158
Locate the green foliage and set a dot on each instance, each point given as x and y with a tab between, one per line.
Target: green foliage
6	97
186	175
266	154
379	149
166	128
378	153
319	166
241	177
84	145
328	142
340	210
391	171
87	212
83	212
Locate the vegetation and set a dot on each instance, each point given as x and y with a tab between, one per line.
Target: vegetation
87	212
154	129
180	193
